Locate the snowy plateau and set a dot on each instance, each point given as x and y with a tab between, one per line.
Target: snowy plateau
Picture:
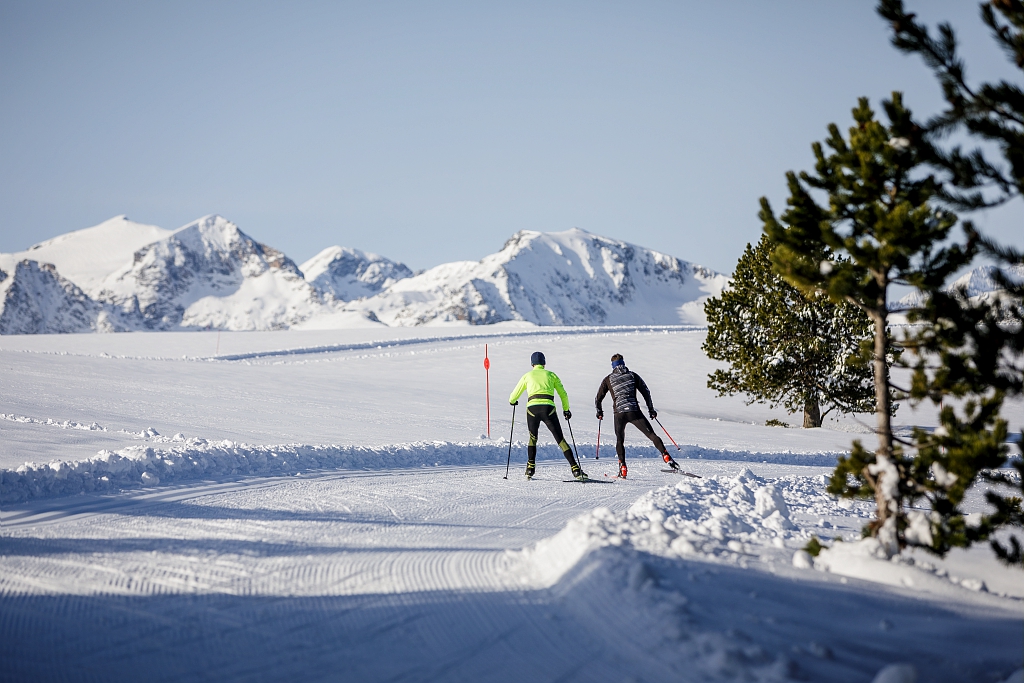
325	505
123	276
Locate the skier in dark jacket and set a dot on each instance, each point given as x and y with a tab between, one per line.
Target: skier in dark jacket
623	385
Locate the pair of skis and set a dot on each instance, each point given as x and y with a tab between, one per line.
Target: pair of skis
676	470
608	479
597	454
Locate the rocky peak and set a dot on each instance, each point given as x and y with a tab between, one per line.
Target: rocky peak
346	273
36	299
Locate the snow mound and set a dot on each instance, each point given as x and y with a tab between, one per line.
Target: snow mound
209	274
562	278
36	299
866	559
717	518
896	673
346	274
87	257
737	521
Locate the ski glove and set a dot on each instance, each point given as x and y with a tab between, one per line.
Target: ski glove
654	414
514	403
568	414
600	415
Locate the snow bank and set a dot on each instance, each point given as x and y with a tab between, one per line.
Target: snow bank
728	519
197	459
62	424
720	519
866	559
193	459
738	521
692	452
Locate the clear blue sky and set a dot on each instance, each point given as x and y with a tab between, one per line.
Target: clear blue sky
432	131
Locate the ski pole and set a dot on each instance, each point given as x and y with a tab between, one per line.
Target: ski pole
597	456
509	461
667	434
569	422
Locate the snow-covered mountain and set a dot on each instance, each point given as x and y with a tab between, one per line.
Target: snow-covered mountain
87	257
346	274
210	274
978	283
35	299
563	278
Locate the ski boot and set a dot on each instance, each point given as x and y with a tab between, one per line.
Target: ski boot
669	461
578	474
622	470
530	469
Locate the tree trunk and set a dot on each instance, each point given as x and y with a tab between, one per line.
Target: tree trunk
812	413
884	474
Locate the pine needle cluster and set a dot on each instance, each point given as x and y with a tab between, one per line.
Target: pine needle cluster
973	350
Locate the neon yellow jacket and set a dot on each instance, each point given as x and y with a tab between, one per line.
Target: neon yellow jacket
540	386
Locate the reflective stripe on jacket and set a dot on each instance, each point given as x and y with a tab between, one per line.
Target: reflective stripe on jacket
540	386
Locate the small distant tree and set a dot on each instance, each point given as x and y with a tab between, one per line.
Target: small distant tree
879	216
785	348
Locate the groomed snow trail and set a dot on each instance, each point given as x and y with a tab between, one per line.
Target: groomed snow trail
322	508
417	575
353	388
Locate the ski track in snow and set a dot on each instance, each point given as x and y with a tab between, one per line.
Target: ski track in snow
349	552
197	460
260	579
397	343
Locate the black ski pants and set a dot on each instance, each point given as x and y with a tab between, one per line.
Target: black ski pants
535	415
637	418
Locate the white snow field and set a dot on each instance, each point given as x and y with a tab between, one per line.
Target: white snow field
320	506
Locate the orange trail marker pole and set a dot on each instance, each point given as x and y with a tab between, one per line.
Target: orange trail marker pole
487	372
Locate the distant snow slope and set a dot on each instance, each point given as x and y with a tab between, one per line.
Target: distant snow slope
977	283
209	274
88	256
563	278
348	274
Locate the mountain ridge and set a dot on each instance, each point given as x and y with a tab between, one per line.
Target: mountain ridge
564	278
209	274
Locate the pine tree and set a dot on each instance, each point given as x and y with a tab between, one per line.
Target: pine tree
784	348
981	343
881	220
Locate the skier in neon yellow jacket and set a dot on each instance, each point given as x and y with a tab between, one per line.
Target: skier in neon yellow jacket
540	386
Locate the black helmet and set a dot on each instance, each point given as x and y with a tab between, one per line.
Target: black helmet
537	359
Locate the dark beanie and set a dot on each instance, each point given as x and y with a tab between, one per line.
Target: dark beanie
537	358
